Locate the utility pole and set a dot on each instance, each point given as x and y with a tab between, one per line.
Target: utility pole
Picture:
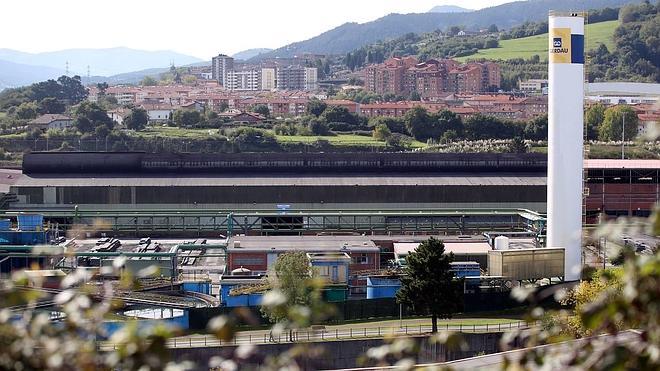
623	136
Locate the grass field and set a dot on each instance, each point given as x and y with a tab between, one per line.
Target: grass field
156	131
346	140
595	34
341	140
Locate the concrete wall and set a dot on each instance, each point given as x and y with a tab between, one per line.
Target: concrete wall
343	354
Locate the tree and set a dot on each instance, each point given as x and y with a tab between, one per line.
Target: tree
51	105
88	116
593	118
447	120
414	96
27	111
72	89
454	30
318	127
148	81
612	126
290	277
428	285
537	128
418	123
394	124
517	145
186	117
338	114
316	107
261	109
381	132
102	86
137	119
493	28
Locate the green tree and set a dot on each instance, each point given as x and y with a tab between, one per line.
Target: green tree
88	116
493	28
290	276
414	96
27	111
148	81
447	120
72	89
261	109
537	128
51	105
338	114
318	127
102	86
395	124
137	119
186	117
316	107
428	285
517	145
593	118
381	132
612	126
418	123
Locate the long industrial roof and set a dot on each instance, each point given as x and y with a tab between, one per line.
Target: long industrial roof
91	180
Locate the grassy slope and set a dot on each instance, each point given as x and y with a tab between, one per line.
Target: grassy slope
340	139
597	33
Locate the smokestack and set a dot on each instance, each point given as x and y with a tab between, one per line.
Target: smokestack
565	137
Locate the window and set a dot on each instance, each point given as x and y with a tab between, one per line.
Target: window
360	259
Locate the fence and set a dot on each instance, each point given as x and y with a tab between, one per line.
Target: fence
316	334
363	309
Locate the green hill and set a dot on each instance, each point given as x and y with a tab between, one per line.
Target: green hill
597	33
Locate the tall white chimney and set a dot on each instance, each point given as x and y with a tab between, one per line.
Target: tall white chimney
565	137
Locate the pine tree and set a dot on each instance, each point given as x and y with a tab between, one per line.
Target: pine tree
428	285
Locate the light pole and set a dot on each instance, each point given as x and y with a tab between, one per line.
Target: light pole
623	136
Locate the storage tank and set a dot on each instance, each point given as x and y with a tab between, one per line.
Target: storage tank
5	224
30	222
501	243
565	137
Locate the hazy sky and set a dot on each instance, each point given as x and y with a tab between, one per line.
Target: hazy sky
202	28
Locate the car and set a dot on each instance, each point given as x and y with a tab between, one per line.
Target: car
145	241
103	240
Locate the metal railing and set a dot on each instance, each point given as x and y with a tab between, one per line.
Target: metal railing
331	334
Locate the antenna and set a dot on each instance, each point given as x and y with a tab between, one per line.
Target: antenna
67	68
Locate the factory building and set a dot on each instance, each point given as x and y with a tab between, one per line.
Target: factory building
305	181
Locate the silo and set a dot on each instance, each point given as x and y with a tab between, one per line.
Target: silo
565	137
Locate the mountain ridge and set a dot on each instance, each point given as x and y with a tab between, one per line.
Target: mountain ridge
101	61
351	35
449	9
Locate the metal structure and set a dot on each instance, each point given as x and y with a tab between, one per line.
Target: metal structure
272	222
565	137
526	264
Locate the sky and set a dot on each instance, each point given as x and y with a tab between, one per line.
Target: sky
201	28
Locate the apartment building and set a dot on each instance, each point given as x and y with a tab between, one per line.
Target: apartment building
246	78
291	78
311	78
388	77
433	78
268	79
220	65
430	78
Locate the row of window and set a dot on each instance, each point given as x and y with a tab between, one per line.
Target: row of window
334	163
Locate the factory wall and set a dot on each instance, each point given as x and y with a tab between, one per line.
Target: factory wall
299	194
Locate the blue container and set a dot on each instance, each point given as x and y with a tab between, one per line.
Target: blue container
382	287
5	224
30	222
